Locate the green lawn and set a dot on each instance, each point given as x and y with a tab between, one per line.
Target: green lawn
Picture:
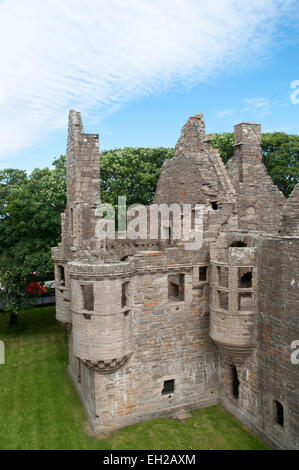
39	408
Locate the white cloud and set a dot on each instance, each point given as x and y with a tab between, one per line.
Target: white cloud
94	55
224	113
259	106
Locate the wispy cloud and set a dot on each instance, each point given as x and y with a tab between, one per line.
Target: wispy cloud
224	113
259	106
94	55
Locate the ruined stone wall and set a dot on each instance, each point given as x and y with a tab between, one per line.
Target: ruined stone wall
170	341
259	201
268	375
196	173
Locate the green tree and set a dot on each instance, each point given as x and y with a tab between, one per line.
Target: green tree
30	208
225	144
281	158
131	172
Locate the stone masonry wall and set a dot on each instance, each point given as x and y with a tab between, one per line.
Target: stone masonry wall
260	202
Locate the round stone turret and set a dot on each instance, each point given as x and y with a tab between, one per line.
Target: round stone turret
101	307
233	302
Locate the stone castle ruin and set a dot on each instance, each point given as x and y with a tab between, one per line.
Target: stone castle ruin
156	329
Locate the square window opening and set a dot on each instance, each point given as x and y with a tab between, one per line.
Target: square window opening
168	387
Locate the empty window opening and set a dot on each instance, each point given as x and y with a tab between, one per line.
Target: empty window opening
176	290
245	301
125	294
214	205
88	297
61	275
278	413
246	280
238	244
203	273
223	300
168	387
235	382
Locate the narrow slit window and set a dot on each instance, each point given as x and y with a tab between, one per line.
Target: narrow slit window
214	205
279	415
79	371
125	294
235	383
61	275
72	221
168	387
203	273
88	297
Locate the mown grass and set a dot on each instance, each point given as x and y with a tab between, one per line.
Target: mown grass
39	408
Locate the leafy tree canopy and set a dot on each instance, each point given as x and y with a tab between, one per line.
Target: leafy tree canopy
30	208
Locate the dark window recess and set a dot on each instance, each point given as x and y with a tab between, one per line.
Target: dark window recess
173	290
223	300
214	205
235	382
176	289
124	294
87	316
278	409
203	273
88	297
79	371
126	313
246	280
168	387
124	258
238	244
61	275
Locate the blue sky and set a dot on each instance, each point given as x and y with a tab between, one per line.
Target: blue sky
138	69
